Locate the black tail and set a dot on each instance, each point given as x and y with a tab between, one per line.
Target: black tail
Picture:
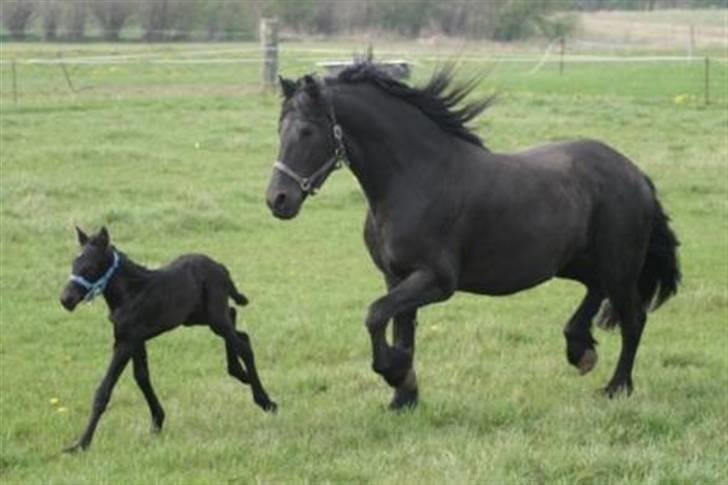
237	297
660	274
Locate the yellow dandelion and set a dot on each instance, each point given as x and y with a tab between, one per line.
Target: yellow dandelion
680	98
54	401
62	409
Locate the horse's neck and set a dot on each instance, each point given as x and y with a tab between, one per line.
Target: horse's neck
389	145
127	282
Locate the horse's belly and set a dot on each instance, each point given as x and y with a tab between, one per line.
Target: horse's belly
506	267
493	282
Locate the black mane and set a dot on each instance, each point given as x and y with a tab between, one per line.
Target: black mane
440	100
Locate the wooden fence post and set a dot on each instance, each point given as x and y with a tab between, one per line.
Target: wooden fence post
269	44
15	83
707	81
562	43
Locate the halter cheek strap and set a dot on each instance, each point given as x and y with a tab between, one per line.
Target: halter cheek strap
93	289
312	183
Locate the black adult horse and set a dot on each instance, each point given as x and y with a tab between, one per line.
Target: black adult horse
446	214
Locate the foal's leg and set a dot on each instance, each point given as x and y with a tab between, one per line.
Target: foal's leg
141	376
580	349
233	364
122	354
242	348
418	289
222	324
406	394
632	321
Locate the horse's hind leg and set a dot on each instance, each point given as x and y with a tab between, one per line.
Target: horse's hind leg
580	345
628	306
406	393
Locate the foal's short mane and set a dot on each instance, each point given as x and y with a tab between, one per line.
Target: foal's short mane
441	99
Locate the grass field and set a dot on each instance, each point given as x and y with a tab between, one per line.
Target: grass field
176	158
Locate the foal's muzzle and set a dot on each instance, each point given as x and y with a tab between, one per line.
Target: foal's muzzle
70	297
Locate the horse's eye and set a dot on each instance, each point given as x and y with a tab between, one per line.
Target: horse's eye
306	132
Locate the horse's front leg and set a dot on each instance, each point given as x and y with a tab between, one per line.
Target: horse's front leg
404	326
420	288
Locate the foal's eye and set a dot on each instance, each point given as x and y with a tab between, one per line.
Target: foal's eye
306	132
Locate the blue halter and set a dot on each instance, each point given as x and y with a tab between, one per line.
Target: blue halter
98	286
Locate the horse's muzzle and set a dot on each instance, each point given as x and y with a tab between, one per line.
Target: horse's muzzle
283	199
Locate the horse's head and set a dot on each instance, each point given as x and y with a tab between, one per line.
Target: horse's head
311	146
91	270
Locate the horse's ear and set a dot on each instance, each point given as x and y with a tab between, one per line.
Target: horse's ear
82	236
288	87
103	237
311	86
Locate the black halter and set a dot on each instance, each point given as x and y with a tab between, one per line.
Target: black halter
312	183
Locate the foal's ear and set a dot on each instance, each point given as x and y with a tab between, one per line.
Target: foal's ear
103	237
311	86
288	87
82	236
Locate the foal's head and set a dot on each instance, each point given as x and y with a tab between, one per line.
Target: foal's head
310	145
91	270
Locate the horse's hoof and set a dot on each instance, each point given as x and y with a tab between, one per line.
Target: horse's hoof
587	362
398	368
404	400
406	395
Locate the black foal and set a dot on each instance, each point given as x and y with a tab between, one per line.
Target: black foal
143	303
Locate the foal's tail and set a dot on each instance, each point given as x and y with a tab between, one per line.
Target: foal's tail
660	274
233	292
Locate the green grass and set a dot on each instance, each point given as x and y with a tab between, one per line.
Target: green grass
176	159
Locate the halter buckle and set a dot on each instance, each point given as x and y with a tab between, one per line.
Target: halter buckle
338	132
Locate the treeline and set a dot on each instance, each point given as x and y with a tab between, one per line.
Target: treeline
167	20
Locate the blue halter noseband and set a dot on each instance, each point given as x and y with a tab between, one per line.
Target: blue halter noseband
93	289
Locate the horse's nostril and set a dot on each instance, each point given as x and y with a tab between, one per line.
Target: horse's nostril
279	201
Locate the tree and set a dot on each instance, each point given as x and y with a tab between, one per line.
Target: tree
74	18
16	15
112	15
50	12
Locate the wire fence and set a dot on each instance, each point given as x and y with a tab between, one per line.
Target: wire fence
252	55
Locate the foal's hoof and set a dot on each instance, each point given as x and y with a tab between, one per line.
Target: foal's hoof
270	407
587	362
614	389
76	447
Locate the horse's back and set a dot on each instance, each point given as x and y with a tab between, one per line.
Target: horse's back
587	161
536	211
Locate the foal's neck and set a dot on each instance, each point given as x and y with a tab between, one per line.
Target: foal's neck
129	279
